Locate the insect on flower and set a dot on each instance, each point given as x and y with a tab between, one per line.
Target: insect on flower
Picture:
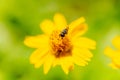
64	32
60	44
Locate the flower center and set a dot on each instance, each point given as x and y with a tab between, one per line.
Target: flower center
60	44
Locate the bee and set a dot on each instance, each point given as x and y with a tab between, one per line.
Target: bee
64	32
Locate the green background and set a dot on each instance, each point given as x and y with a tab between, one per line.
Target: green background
20	18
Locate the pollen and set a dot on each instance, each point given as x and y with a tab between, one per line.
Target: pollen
60	46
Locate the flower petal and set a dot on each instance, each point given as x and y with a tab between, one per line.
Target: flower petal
114	55
84	42
37	54
78	26
47	26
79	61
116	42
41	60
36	41
110	52
113	66
78	30
83	54
116	62
56	62
67	64
77	22
60	21
40	63
48	63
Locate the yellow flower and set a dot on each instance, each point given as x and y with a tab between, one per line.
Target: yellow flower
61	44
114	54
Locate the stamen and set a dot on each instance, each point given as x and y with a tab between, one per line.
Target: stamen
60	46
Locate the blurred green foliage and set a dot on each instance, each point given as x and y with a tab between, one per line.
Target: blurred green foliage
20	18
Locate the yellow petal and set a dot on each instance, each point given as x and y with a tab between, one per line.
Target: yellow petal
67	64
84	42
113	66
81	59
114	55
83	54
36	41
41	60
77	28
47	26
40	63
77	22
37	55
116	60
56	62
109	52
48	63
116	42
60	21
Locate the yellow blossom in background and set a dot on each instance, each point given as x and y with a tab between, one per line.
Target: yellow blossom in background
61	44
114	54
